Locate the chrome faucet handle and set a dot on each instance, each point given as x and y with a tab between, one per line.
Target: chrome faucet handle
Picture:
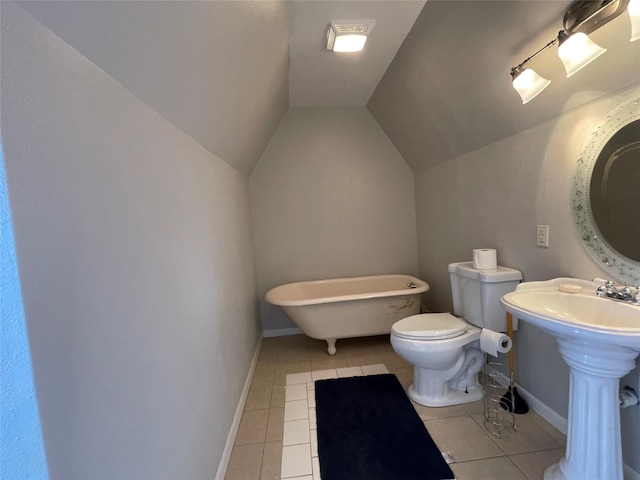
604	288
611	287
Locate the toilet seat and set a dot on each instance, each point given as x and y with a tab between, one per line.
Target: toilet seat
429	326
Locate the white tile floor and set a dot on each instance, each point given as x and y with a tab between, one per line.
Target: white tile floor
300	441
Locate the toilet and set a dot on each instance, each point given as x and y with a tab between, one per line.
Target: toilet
445	349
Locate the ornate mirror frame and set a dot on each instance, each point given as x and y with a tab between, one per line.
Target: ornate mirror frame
598	247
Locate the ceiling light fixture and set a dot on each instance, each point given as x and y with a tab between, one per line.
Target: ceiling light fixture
575	48
347	37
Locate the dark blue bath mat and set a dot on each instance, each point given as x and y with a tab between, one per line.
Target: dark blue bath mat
368	430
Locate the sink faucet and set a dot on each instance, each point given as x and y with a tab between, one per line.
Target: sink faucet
624	294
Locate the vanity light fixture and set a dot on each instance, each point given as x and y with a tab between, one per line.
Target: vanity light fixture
575	48
346	37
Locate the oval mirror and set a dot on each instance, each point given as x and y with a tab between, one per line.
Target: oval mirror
606	197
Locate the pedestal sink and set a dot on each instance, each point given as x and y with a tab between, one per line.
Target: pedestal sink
599	338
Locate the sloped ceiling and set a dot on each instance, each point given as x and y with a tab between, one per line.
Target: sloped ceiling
225	72
216	69
448	91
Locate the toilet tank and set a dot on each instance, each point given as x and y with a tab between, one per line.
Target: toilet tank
477	293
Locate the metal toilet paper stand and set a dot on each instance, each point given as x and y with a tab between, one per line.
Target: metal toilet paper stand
499	422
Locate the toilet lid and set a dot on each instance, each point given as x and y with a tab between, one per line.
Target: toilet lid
429	326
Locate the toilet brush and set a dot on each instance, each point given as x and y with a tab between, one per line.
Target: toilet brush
512	401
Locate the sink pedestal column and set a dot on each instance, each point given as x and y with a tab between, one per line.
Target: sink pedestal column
594	445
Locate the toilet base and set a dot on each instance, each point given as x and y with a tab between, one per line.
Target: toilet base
454	397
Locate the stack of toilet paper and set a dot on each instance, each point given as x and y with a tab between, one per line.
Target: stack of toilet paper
485	259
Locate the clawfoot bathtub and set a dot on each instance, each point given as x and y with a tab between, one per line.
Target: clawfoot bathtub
349	307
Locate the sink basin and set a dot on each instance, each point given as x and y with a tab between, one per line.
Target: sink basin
599	338
581	315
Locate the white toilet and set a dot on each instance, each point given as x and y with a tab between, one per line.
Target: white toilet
444	349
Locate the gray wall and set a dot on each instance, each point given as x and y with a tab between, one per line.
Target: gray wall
331	197
494	197
135	256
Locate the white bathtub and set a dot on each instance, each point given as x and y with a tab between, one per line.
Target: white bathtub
349	307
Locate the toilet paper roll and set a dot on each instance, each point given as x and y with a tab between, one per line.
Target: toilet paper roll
494	342
485	259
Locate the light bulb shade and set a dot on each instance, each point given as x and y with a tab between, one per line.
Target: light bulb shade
349	43
577	51
634	15
529	84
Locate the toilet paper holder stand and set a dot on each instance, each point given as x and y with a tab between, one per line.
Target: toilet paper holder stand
499	422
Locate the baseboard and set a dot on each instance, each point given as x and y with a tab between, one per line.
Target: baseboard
281	332
231	437
560	423
544	410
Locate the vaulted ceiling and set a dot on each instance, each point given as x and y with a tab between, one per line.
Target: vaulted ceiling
225	72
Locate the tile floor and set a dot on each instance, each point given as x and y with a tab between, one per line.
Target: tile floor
276	439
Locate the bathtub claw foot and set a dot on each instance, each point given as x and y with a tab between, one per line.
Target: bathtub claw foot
331	346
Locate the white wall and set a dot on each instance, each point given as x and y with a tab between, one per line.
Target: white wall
135	257
330	197
494	197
